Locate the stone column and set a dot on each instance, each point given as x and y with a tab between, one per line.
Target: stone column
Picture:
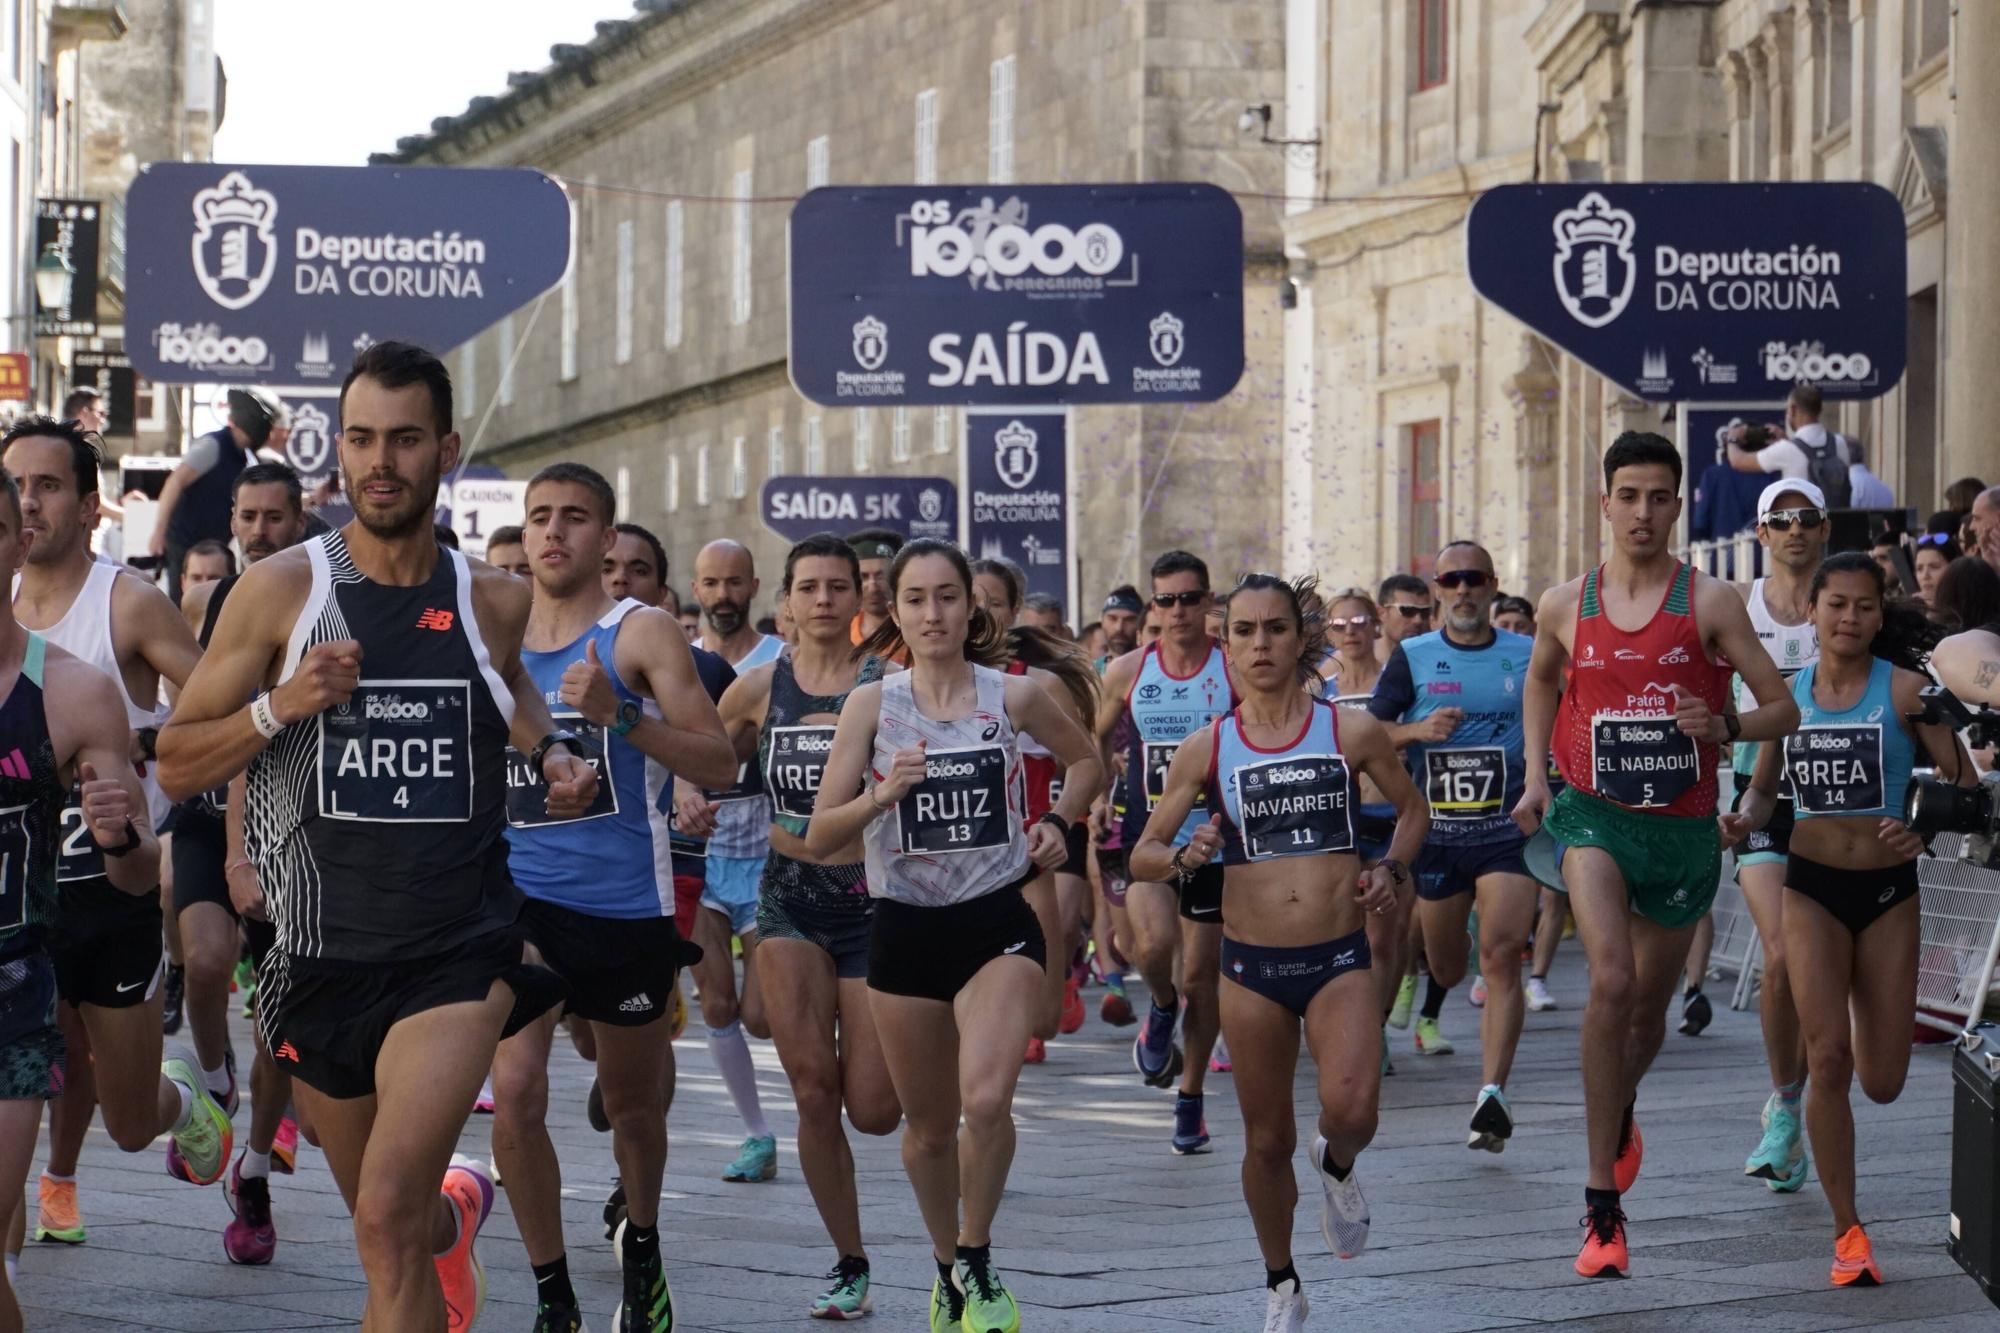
1971	354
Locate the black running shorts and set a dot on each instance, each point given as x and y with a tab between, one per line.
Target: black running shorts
106	944
932	952
619	971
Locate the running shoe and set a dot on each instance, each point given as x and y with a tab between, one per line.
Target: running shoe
1285	1309
677	1014
1854	1261
1072	1007
947	1306
1190	1126
848	1297
558	1319
58	1220
244	977
1492	1125
249	1238
756	1160
1696	1014
1155	1053
593	1109
1539	998
1604	1251
1780	1159
1429	1040
285	1147
1476	997
614	1208
1114	1008
1218	1058
1388	1065
469	1191
1343	1211
1631	1152
173	995
648	1303
1406	1000
483	1103
200	1149
989	1306
1038	1051
232	1098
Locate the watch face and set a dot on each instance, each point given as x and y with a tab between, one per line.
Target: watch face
628	712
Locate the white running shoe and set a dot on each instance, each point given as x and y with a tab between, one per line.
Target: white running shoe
1477	996
1343	1213
1539	998
1286	1310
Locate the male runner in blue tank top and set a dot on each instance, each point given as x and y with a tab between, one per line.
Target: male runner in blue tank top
1452	702
600	897
376	816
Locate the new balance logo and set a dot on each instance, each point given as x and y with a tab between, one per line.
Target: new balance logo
434	619
15	766
286	1051
641	1003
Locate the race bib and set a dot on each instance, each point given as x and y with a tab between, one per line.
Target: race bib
1159	757
16	858
528	791
1836	769
398	752
1055	791
77	856
1295	806
1642	762
1465	784
960	806
796	763
747	786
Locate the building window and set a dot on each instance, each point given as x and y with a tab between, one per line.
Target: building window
739	467
149	408
815	460
701	474
817	152
623	489
1426	489
466	392
941	431
899	436
739	268
775	456
506	341
673	293
1000	123
673	483
864	440
1433	45
621	337
927	114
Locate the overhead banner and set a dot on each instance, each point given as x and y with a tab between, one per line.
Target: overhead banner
68	231
1704	293
797	507
1017	500
265	274
1018	294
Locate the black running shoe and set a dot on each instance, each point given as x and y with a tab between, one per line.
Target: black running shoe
558	1319
1696	1014
174	997
648	1304
614	1210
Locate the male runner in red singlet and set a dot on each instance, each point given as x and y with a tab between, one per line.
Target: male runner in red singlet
1645	641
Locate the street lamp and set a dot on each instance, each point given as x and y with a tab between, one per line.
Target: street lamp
55	278
1256	119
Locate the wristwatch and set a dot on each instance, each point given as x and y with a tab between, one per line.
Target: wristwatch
560	736
1051	817
628	717
131	843
1397	870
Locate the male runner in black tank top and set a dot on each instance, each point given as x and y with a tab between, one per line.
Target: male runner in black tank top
375	815
267	514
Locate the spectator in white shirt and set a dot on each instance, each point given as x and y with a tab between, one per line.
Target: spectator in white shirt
1785	457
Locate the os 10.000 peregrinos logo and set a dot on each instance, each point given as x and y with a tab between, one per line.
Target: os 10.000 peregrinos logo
1698	293
1016	295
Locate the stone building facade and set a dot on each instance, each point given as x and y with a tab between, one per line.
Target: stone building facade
1417	412
684	133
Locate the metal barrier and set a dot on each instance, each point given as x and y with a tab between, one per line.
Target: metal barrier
1736	559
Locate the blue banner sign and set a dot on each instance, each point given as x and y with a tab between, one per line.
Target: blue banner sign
797	507
1704	293
1017	497
270	274
1016	294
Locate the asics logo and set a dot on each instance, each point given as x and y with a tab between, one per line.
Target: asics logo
434	619
392	708
1887	894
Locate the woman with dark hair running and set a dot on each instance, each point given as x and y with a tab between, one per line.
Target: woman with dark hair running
999	587
1851	908
926	769
1279	773
813	912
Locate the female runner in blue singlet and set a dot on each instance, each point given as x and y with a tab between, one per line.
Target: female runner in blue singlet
1280	773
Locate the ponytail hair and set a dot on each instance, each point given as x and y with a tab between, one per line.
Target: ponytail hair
1908	633
1035	647
985	644
1311	626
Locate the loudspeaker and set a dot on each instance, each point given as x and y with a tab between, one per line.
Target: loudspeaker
1974	1242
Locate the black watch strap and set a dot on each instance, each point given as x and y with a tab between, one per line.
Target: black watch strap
131	843
1051	817
561	736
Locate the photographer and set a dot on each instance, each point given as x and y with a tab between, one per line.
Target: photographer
1968	664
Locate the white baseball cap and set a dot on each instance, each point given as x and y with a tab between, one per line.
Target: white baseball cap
1784	486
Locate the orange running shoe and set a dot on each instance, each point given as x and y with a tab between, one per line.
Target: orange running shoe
59	1219
469	1191
1604	1251
1854	1261
1631	1151
1072	1007
1037	1052
285	1147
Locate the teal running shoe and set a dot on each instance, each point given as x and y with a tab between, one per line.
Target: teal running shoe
1780	1158
1492	1123
847	1298
756	1160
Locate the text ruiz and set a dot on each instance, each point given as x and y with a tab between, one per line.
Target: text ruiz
440	264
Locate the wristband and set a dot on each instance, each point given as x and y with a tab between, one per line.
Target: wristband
263	717
231	868
1051	817
877	804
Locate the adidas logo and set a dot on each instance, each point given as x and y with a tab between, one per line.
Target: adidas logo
15	766
641	1003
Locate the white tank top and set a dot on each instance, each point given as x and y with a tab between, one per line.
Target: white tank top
958	834
1792	647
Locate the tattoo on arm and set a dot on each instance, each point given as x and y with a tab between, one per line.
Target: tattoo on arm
1988	671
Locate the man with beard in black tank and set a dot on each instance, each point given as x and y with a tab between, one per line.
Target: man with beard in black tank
392	683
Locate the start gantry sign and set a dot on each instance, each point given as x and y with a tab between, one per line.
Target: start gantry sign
1016	294
1704	292
274	274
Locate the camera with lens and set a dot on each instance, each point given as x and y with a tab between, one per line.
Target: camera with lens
1933	805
